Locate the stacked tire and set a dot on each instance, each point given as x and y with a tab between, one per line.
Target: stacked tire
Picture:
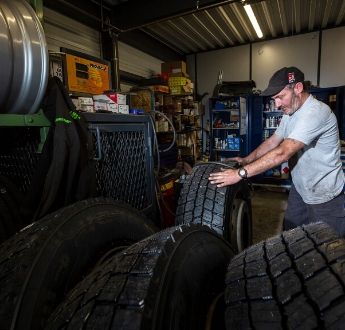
171	280
227	210
40	264
101	264
295	280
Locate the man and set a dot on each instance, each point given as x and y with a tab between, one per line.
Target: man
308	137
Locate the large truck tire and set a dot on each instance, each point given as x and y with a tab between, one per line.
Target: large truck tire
40	264
295	280
227	210
171	280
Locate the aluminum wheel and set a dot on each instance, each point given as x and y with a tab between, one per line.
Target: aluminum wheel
24	58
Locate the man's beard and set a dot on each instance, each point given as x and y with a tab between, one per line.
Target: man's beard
295	104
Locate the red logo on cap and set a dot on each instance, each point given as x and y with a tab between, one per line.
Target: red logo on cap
291	77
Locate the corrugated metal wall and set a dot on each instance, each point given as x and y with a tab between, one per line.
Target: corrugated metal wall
134	61
62	31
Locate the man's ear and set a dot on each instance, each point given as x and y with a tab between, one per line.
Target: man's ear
298	87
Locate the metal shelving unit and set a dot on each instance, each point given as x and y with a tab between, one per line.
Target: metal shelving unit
228	126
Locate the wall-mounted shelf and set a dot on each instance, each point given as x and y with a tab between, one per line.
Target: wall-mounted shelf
228	118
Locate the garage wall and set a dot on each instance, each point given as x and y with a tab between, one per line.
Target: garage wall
332	71
134	61
300	50
61	31
234	62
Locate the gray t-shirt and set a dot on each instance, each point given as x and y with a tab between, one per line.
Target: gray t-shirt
317	173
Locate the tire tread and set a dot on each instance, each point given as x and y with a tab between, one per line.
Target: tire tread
299	273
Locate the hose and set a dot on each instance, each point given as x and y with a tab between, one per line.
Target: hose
172	126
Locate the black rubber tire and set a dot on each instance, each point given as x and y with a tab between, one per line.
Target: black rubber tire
202	202
295	280
41	263
10	219
170	280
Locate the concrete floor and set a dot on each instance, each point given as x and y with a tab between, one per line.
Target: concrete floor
268	207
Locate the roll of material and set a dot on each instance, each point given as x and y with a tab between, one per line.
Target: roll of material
23	58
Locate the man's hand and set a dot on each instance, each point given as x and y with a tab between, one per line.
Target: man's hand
224	178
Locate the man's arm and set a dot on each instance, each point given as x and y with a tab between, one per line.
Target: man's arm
266	146
275	157
269	160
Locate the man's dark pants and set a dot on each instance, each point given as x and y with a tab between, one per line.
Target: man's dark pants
299	213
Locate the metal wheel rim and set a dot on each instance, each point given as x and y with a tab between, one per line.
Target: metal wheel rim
240	225
24	57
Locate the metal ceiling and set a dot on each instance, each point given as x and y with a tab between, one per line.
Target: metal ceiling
173	29
228	25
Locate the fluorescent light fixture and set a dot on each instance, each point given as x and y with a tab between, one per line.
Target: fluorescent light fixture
253	20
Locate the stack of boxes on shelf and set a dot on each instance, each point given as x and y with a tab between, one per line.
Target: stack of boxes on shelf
178	79
83	103
233	143
114	102
109	101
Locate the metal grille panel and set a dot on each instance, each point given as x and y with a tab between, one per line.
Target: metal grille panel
124	167
18	156
121	172
124	164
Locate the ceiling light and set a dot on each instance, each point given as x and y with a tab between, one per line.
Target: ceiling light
253	20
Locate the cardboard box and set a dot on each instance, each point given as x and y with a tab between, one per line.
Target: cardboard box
233	143
83	104
85	100
117	98
104	103
162	126
100	106
178	81
174	67
75	102
181	90
160	88
141	99
86	108
123	108
180	85
113	107
234	115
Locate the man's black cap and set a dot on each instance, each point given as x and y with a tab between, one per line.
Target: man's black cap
281	78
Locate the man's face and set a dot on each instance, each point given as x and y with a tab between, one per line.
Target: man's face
287	100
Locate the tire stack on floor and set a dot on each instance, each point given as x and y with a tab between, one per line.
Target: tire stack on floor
163	282
40	264
99	264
